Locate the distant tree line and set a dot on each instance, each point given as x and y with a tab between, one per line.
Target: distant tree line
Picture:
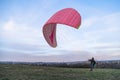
79	64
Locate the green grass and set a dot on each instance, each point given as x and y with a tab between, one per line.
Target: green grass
28	72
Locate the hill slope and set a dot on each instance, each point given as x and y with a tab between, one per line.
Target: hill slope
34	72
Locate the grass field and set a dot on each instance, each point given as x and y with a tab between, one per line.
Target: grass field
29	72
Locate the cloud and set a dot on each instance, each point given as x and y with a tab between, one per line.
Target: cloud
20	37
62	57
89	22
13	30
103	27
9	26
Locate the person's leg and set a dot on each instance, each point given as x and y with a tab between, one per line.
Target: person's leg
91	67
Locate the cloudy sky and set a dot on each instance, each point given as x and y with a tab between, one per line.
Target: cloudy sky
21	37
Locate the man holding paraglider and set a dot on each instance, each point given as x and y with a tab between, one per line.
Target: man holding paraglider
93	62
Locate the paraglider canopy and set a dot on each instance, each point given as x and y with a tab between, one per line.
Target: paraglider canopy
67	16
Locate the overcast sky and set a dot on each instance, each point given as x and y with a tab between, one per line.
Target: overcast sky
21	37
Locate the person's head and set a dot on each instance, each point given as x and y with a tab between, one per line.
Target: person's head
93	58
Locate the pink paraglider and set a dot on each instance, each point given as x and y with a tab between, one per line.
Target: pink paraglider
67	16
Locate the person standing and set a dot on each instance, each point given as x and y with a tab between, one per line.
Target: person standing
93	62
